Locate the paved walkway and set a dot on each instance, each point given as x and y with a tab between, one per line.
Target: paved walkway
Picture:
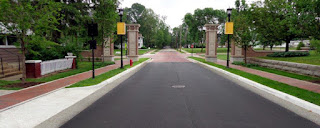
33	92
283	79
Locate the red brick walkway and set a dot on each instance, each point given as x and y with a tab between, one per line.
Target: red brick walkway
32	92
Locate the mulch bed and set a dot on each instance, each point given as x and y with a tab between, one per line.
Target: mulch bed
22	85
315	81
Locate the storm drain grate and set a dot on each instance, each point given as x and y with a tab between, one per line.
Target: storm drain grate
178	86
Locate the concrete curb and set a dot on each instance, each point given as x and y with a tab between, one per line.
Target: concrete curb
55	109
301	107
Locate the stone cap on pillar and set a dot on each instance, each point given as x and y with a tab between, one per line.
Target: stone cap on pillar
133	27
67	57
211	27
33	61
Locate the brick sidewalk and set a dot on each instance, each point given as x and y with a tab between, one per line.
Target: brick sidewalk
32	92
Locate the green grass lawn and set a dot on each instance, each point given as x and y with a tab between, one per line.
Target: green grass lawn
98	79
141	51
198	50
294	91
313	58
82	67
222	56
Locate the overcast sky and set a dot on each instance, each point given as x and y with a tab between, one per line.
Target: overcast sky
176	9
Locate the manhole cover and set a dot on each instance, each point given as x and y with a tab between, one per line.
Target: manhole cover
178	86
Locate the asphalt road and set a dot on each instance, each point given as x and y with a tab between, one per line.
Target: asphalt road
148	100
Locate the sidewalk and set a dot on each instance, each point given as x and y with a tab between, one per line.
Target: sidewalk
33	92
283	79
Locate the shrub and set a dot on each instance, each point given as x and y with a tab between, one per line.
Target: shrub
143	47
244	64
300	45
288	54
315	44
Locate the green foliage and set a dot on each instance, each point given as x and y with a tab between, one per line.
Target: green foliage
300	45
143	47
195	22
244	64
153	27
288	54
315	44
313	58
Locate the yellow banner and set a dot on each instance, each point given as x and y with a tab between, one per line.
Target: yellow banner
229	28
121	28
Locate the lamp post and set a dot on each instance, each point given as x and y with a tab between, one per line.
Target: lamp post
229	10
121	14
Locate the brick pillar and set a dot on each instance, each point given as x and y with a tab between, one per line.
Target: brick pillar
133	33
211	42
236	52
33	68
108	49
74	65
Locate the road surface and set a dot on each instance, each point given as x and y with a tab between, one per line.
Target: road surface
174	93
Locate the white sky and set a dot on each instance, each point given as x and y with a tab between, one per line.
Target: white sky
176	9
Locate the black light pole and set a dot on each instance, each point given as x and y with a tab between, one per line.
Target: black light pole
121	14
229	10
92	54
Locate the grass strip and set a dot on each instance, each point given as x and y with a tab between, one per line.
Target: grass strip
294	91
4	82
154	52
180	51
102	77
82	67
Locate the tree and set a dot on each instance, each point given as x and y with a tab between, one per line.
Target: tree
244	34
35	18
195	22
153	27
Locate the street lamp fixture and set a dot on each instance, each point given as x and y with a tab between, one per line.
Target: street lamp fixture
121	14
229	11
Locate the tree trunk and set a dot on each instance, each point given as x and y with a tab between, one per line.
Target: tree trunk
245	54
201	47
23	49
287	45
271	46
264	47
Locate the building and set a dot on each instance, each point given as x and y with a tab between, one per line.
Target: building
140	41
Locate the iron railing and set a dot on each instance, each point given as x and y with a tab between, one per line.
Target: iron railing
2	66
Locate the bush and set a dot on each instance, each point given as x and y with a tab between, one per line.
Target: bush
244	64
143	47
315	44
288	54
300	45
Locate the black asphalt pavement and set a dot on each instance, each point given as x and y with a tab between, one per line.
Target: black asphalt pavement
148	100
